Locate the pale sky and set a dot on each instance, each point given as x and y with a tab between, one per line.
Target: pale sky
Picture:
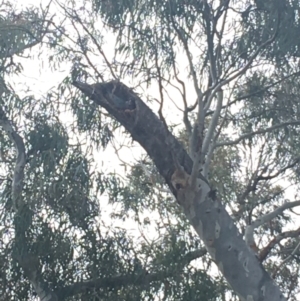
38	76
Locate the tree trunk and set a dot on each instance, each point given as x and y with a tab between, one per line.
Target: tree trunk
224	242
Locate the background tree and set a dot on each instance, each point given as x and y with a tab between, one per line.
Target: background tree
229	71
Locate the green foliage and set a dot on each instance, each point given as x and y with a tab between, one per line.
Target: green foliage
91	120
77	218
18	30
48	146
261	22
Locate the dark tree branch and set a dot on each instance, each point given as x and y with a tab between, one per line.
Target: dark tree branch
249	232
257	92
267	249
258	132
143	278
204	210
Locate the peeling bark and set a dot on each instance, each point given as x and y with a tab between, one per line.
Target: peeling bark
224	242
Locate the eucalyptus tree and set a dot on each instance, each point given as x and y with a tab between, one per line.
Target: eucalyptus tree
231	69
209	90
55	240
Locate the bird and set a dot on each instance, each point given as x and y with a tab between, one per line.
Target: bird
122	104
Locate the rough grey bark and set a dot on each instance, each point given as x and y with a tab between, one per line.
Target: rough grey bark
224	242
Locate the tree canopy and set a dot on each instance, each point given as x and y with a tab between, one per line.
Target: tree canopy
165	165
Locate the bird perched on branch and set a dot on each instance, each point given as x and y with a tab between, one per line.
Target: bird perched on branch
122	104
